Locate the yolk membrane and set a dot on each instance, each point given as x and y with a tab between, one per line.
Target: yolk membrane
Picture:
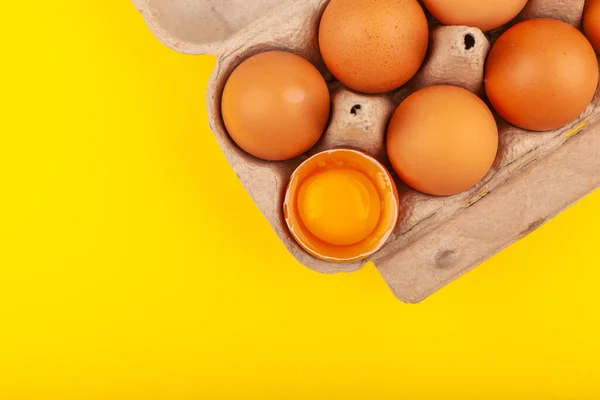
340	206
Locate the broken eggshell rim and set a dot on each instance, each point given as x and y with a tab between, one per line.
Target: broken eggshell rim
289	208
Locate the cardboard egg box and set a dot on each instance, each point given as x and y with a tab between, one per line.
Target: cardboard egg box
437	239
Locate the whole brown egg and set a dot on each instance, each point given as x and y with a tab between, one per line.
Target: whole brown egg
276	105
541	74
591	22
442	140
483	14
373	46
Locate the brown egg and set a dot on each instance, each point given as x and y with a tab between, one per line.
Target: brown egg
483	14
373	46
541	74
442	140
276	105
591	22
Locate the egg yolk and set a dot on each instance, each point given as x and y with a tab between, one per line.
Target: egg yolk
339	206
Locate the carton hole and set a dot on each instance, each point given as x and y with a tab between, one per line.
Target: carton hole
355	110
469	41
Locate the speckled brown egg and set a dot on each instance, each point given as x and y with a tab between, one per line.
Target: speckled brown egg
276	105
591	22
541	74
483	14
373	46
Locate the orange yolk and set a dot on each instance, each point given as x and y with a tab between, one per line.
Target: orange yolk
341	207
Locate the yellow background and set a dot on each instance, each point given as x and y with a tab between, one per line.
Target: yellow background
133	265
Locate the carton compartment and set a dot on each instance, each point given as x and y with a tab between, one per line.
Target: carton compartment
194	24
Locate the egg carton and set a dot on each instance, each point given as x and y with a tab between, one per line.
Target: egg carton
437	239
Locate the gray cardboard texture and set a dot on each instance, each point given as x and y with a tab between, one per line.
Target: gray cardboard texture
535	176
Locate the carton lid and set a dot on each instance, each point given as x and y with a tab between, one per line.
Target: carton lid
201	26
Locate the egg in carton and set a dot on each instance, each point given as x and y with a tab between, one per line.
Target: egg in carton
437	239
